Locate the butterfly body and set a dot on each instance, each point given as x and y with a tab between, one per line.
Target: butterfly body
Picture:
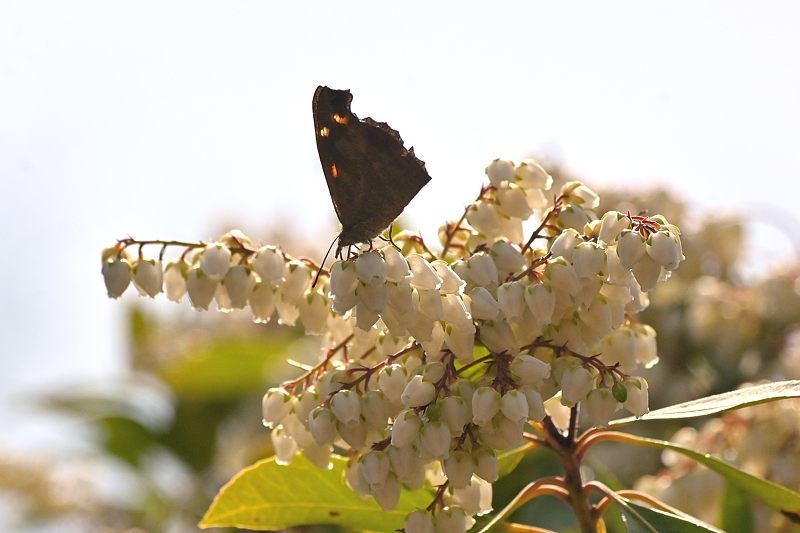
371	176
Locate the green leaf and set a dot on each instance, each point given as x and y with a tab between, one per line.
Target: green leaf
736	514
267	496
224	369
647	519
508	460
767	492
727	401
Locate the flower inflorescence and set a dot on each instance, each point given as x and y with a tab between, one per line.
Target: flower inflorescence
435	361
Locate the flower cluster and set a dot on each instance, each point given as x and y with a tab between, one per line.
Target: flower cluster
435	361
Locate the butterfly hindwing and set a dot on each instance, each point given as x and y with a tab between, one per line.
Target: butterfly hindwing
370	174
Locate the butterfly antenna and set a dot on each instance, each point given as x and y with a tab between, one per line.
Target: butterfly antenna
319	270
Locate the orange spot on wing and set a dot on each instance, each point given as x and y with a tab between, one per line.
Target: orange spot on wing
334	171
339	119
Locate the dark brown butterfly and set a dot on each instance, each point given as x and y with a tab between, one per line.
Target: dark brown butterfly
370	174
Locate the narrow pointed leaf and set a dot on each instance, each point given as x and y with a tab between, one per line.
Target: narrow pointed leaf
736	513
646	519
767	492
268	496
727	401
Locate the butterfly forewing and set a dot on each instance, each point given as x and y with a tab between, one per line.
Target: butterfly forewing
370	174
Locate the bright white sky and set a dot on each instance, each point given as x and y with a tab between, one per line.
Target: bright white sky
167	119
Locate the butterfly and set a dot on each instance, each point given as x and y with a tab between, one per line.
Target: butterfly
370	174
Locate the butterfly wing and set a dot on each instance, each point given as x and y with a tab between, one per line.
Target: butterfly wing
370	174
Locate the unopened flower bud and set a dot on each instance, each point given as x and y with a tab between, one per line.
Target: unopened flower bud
577	193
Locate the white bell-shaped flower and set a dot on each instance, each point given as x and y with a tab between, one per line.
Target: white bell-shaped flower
589	260
541	301
485	218
511	201
284	445
262	301
600	405
373	466
275	405
630	248
387	493
396	265
507	258
200	288
269	264
418	392
434	440
420	521
371	268
500	170
423	275
455	311
322	424
573	217
458	468
455	413
239	283
485	464
611	225
528	370
346	406
116	275
637	402
577	193
481	270
215	259
392	380
483	305
564	245
460	339
430	304
175	279
498	336
485	404
451	282
375	409
536	409
148	277
296	282
576	382
531	175
664	247
511	300
314	309
646	348
562	276
647	273
514	406
619	348
406	428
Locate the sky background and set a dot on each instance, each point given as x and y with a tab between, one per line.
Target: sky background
172	120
